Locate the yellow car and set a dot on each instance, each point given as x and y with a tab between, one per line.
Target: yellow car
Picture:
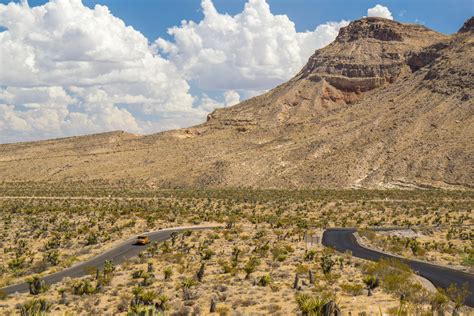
142	240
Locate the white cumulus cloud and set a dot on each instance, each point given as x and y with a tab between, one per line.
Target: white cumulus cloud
252	50
66	69
380	11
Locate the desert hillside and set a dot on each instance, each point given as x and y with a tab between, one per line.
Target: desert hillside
385	105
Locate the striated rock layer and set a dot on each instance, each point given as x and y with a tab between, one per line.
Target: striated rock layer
385	105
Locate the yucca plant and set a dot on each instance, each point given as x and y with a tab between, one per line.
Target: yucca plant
371	282
310	305
37	285
35	307
264	280
168	272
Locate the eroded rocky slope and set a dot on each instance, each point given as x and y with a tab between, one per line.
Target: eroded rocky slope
386	104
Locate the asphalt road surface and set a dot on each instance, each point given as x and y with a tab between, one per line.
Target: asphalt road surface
342	239
117	255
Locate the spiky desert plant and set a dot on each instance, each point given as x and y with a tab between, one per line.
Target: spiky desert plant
371	282
168	272
37	285
310	305
264	280
35	307
200	273
251	266
187	283
327	263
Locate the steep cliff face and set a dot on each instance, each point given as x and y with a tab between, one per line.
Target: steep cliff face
367	54
385	105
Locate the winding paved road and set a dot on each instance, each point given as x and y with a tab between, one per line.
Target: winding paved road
117	255
343	239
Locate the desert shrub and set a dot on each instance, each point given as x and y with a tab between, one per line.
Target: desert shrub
148	279
207	254
137	274
439	300
37	285
301	269
35	307
188	283
168	272
52	257
251	266
309	255
369	234
327	263
264	280
310	305
17	263
225	265
92	239
458	294
82	287
397	278
468	258
279	253
353	289
371	282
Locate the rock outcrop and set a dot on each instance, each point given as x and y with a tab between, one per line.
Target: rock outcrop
385	105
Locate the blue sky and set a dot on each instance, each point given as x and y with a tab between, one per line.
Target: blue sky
153	17
69	67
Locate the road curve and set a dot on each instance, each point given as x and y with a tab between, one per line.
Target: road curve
343	239
117	255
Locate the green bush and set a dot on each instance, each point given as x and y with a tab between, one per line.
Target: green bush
82	287
353	289
35	307
310	305
264	280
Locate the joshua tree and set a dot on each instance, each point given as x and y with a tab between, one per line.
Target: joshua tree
251	266
309	255
458	296
168	272
264	280
371	282
212	309
163	303
326	264
296	282
311	277
150	267
174	236
37	285
200	273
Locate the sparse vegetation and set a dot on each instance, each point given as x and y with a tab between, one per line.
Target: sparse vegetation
260	252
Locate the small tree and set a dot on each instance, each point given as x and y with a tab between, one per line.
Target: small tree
200	273
251	266
458	295
264	280
37	285
168	272
327	263
371	282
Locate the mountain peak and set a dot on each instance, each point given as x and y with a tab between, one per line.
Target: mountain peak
371	27
468	26
368	53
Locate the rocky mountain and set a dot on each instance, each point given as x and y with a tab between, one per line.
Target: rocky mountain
385	105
